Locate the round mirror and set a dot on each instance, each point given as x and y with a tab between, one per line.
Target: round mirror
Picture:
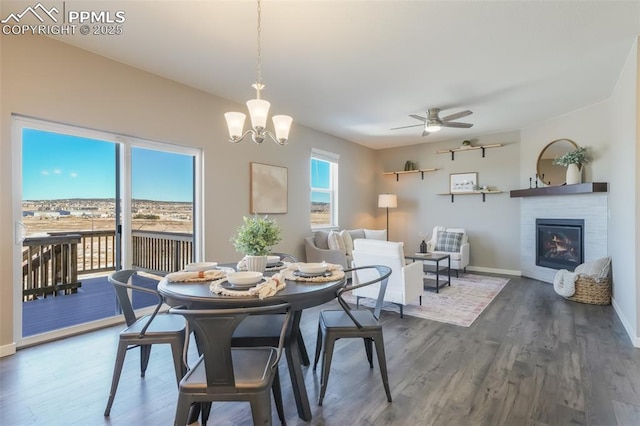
549	173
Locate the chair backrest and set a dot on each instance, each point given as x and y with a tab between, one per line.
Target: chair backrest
120	282
214	328
286	257
381	273
375	252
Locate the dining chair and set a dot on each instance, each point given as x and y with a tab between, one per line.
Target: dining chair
144	331
353	323
224	373
261	331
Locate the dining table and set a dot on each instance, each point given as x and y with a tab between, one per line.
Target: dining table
299	295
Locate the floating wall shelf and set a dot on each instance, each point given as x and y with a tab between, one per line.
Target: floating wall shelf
470	148
579	188
484	193
421	171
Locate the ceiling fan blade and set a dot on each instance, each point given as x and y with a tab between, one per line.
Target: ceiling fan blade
406	127
425	133
456	115
417	117
455	124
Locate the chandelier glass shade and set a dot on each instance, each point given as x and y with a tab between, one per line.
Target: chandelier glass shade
258	113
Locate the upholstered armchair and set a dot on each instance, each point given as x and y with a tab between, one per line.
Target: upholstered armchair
451	241
406	281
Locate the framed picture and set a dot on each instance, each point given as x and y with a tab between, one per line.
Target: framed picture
268	188
463	182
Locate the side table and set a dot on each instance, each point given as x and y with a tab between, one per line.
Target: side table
435	267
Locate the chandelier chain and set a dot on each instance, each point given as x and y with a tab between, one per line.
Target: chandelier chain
259	66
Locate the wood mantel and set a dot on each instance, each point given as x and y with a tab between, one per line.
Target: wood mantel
580	188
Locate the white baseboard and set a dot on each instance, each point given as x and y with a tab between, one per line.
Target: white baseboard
635	340
6	350
494	270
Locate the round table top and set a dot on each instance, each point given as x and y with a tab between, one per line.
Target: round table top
196	295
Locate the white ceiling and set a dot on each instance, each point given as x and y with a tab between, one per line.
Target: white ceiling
355	69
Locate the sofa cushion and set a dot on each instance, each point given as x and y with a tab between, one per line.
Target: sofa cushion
597	269
320	238
348	241
449	241
374	234
356	233
335	242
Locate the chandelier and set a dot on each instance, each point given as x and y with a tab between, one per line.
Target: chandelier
258	112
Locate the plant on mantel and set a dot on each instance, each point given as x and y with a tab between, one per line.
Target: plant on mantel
578	156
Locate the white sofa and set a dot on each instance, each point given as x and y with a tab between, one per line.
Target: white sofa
460	257
406	281
321	248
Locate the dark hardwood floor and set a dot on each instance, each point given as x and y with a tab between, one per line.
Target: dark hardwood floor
532	358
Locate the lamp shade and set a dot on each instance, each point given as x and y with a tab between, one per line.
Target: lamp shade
258	111
389	201
282	125
235	123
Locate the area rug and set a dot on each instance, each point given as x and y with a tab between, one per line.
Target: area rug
459	304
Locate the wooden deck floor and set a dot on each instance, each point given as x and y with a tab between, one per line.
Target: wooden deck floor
531	358
94	300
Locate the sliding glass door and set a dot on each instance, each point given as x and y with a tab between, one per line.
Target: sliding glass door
88	203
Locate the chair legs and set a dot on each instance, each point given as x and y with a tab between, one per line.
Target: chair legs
382	362
117	370
368	343
145	354
327	354
277	397
261	409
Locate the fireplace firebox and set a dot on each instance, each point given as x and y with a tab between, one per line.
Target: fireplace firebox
559	243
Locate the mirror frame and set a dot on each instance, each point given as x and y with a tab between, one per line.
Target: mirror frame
575	146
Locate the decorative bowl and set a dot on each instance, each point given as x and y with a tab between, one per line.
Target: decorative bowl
272	260
201	266
312	268
244	278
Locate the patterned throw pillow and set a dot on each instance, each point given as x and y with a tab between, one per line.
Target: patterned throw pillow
449	241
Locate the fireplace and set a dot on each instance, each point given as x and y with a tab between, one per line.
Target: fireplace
559	243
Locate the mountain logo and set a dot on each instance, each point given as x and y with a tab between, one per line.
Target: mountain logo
34	11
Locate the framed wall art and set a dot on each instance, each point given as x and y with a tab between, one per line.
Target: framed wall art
463	182
269	192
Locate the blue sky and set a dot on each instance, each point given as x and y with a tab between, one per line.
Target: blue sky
320	172
56	166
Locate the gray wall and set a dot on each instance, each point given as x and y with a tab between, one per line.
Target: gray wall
492	226
53	81
624	194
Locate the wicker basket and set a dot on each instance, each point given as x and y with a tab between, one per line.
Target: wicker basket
592	292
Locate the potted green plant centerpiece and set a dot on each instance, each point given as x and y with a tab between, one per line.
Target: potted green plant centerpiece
255	238
574	160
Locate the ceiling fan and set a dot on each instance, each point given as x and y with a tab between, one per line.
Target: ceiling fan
434	123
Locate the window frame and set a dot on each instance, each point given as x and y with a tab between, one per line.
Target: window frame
333	160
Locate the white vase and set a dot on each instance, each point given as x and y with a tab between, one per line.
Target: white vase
574	174
256	263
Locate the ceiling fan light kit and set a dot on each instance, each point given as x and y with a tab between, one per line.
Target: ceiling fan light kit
433	122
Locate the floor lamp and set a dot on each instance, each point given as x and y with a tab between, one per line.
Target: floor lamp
388	201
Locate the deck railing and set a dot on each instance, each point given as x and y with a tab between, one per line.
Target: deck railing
53	262
161	252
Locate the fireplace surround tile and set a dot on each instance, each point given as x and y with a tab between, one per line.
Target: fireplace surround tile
590	207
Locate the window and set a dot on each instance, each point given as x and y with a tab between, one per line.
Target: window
324	189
